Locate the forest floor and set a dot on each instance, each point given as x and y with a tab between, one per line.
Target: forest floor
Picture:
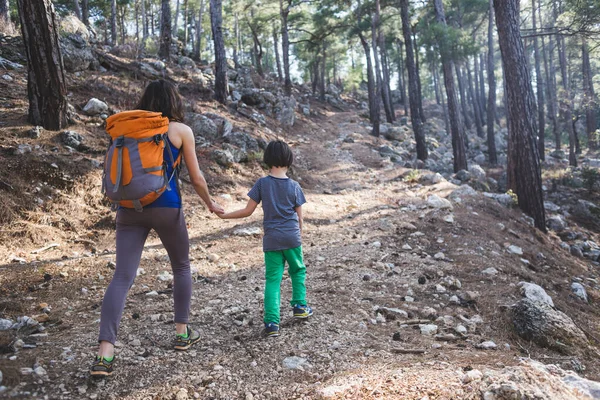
375	252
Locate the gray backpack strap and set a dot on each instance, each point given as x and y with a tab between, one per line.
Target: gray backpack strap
137	205
172	159
120	142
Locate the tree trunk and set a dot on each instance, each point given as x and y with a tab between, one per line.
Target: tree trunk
152	24
113	23
590	102
258	50
85	12
491	105
475	102
548	87
418	68
122	24
184	20
523	161
463	99
413	89
386	75
315	74
176	20
284	12
323	72
77	9
46	88
379	93
401	81
458	142
566	100
436	86
539	88
216	21
144	23
373	99
136	10
199	33
4	12
164	50
276	51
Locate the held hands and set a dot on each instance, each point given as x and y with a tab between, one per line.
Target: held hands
216	208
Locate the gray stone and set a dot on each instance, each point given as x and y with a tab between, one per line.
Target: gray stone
437	202
239	155
463	176
556	223
515	250
77	53
586	210
392	313
487	345
5	324
505	199
535	293
491	271
248	231
584	386
35	132
7	64
71	139
428	329
95	107
295	362
186	62
579	290
576	251
551	207
22	149
285	111
7	77
477	172
539	322
242	140
462	192
203	126
223	158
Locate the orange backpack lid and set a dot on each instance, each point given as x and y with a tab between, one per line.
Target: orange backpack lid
136	124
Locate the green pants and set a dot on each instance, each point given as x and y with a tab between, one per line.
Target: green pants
275	264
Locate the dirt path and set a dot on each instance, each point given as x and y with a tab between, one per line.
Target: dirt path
369	244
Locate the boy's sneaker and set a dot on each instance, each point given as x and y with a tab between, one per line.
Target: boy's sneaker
272	329
101	367
302	311
184	342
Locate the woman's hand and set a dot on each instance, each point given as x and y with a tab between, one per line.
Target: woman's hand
216	208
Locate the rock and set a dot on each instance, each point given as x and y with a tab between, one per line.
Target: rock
551	207
491	271
152	293
213	257
539	322
248	231
295	362
515	250
472	376
440	289
95	107
431	179
242	140
439	256
576	251
586	210
477	172
71	138
75	48
428	329
202	126
535	293
487	345
556	223
463	191
186	62
238	155
558	154
392	313
579	291
35	132
223	157
437	202
164	276
463	176
452	283
136	343
505	199
449	219
7	64
5	324
39	371
461	329
285	111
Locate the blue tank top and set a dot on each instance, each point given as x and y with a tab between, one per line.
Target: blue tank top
170	198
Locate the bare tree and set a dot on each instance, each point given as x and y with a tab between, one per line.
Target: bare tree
539	88
458	142
46	86
216	22
491	107
524	173
591	103
276	51
164	50
113	22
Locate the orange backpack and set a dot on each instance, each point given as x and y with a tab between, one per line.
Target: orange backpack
135	171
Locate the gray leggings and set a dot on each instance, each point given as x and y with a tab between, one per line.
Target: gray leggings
132	230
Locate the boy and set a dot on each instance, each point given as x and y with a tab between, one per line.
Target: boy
282	200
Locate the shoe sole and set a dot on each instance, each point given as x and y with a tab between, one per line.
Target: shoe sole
273	334
183	348
302	316
100	374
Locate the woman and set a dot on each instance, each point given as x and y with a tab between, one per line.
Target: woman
165	216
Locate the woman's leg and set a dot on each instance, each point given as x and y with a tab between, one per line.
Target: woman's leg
130	244
169	224
274	266
297	271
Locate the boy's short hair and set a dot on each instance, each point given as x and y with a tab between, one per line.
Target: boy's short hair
278	154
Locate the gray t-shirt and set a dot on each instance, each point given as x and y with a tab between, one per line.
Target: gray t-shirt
279	197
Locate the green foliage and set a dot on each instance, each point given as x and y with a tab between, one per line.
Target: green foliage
590	177
412	176
513	196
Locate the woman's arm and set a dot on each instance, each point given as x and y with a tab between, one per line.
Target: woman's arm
299	212
243	213
196	177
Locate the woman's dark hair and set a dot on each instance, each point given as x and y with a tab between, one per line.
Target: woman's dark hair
162	96
278	154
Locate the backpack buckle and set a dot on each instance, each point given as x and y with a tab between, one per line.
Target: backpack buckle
158	139
120	142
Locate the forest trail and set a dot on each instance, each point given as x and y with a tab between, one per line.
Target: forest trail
388	275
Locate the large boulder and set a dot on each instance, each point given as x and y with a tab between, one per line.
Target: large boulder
75	46
586	210
285	110
202	126
540	323
95	107
242	140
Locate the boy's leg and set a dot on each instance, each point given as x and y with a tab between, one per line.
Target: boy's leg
297	271
274	266
130	244
169	224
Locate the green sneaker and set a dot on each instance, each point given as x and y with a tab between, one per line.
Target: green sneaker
185	342
101	367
